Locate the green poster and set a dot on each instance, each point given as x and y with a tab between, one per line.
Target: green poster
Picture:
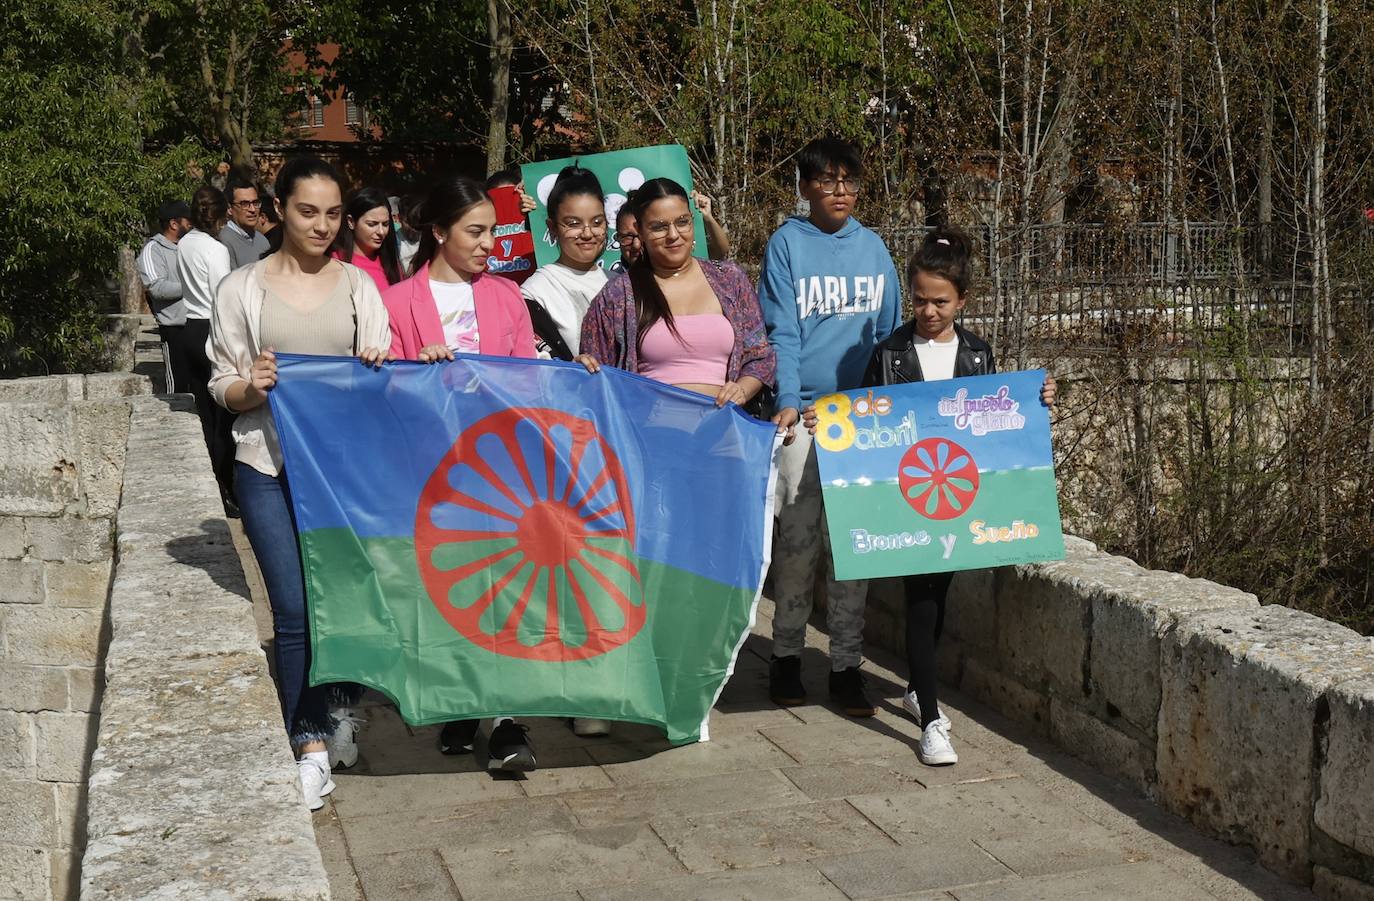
929	477
620	172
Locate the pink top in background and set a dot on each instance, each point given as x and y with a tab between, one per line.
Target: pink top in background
699	354
371	267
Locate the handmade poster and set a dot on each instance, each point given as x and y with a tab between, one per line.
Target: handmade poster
620	172
534	540
938	476
513	255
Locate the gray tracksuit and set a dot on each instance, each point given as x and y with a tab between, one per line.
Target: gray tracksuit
157	269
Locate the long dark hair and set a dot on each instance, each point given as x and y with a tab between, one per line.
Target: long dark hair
946	253
209	209
447	200
358	203
649	300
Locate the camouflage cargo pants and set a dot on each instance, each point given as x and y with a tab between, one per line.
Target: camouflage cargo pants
802	536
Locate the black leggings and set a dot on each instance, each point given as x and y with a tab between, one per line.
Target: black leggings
925	620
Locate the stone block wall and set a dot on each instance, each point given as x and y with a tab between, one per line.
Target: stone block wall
62	445
193	786
1255	723
142	752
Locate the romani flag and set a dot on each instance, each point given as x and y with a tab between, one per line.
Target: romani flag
496	536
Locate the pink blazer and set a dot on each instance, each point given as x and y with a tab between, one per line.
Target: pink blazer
503	321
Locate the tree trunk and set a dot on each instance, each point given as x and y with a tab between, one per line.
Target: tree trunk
131	294
1321	281
1266	181
502	40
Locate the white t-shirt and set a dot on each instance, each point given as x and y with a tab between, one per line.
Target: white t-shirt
202	263
565	293
936	357
457	314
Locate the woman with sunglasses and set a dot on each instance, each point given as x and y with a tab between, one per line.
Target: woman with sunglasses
688	322
559	293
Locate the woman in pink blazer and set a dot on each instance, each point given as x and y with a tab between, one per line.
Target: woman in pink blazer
450	305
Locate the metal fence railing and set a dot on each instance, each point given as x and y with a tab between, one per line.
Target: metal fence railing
1094	285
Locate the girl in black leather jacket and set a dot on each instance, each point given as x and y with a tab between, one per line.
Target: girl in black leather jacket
931	346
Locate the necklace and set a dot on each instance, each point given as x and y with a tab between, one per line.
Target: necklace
674	273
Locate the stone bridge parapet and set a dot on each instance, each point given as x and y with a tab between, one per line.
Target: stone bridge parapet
1254	722
142	753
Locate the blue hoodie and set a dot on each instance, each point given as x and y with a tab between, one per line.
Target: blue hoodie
827	300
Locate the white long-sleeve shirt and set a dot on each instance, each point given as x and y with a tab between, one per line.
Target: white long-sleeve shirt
565	293
202	263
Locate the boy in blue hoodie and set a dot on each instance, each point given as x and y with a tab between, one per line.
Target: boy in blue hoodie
829	293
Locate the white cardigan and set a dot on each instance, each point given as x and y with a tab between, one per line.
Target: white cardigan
235	342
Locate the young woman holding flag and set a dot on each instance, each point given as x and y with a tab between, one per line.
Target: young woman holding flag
452	306
297	300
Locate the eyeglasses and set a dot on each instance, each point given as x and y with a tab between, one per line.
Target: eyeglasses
829	184
248	204
626	238
682	225
577	226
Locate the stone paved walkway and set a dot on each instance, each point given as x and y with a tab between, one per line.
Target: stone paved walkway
793	804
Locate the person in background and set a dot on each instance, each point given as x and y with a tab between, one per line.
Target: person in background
157	269
202	263
453	306
510	178
829	293
627	234
559	293
717	241
241	235
931	347
297	300
407	238
367	239
269	220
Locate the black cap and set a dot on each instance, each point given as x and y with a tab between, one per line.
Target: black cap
174	209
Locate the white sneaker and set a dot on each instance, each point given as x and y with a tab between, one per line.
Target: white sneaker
343	744
315	782
935	749
586	727
910	705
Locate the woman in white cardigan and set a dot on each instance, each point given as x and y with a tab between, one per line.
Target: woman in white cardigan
296	300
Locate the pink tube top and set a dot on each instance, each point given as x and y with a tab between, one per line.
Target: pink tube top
700	357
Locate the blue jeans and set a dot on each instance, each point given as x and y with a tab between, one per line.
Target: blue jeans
270	524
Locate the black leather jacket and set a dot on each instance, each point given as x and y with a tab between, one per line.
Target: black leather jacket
894	360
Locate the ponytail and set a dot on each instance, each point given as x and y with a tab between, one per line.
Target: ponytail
209	209
946	253
573	181
446	201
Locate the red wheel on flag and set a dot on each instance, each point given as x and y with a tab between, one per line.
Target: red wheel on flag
525	538
938	478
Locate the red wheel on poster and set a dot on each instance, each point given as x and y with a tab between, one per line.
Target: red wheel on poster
524	537
938	478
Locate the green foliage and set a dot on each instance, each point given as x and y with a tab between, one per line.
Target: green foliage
421	69
76	178
218	69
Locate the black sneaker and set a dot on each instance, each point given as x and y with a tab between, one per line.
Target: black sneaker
509	749
847	690
784	682
457	737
